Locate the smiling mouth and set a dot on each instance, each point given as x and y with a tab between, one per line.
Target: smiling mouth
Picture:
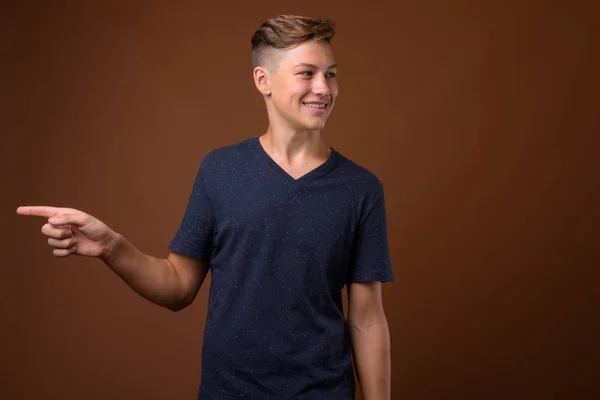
316	106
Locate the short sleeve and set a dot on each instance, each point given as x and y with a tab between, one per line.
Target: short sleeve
195	233
370	259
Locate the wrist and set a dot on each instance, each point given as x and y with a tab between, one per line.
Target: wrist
111	248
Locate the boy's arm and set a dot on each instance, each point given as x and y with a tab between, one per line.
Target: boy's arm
370	339
171	282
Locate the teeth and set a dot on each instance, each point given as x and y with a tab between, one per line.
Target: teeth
315	105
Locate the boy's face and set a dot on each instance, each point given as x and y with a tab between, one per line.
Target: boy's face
301	86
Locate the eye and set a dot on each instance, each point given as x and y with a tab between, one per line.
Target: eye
306	73
331	75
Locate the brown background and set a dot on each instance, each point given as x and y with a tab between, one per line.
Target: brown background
481	120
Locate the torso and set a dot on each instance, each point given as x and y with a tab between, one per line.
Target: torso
280	255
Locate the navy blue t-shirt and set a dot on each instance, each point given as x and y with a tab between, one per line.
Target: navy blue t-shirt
280	251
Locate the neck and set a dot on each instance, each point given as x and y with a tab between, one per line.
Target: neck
294	146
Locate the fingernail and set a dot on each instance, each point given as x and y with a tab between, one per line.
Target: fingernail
53	220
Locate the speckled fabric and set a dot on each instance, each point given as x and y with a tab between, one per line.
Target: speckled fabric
280	251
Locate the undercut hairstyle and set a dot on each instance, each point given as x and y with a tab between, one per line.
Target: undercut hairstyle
287	31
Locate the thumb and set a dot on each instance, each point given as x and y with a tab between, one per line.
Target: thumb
77	219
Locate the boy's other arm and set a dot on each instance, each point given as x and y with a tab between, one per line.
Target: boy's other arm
370	339
171	282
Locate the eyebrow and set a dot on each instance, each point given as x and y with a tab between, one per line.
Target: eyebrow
314	66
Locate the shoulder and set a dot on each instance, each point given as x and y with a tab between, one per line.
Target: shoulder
359	177
225	162
227	156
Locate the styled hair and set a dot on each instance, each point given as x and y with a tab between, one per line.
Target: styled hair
287	31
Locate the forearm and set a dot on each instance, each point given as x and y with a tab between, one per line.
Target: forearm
372	358
155	279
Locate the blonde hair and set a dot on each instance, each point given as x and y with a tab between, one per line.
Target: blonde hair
287	31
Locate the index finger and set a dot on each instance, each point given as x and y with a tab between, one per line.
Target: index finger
41	211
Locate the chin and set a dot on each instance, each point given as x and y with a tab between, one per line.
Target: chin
314	125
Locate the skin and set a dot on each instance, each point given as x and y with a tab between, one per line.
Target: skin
288	80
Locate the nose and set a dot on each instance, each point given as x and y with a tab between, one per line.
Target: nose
321	86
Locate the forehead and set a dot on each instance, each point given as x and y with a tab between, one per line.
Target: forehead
318	53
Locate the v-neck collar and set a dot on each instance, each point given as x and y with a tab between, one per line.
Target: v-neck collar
310	175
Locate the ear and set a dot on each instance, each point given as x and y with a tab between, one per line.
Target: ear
262	80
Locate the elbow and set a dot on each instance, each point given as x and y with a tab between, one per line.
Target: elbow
176	306
365	322
179	304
